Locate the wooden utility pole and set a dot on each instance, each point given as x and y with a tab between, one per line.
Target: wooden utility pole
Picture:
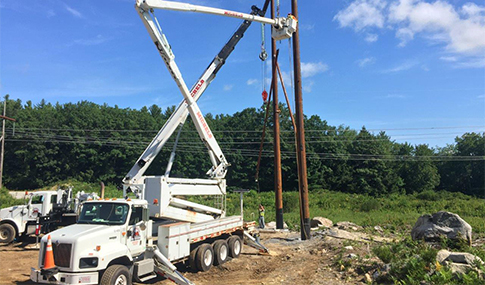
278	188
300	142
3	138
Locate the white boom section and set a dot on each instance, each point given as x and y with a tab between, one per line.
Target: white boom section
162	189
218	160
285	28
179	6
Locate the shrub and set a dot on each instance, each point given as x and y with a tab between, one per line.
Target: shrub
6	200
370	204
290	202
428	195
384	253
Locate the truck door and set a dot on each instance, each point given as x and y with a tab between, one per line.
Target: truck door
136	237
36	205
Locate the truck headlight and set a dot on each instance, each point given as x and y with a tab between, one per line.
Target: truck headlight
88	262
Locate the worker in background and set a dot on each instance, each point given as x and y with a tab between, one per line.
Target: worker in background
261	216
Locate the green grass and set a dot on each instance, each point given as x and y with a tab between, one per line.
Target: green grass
394	211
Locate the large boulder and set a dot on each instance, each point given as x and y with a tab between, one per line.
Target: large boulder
432	227
318	222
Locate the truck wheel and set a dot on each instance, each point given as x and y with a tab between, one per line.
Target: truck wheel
204	257
7	233
221	251
192	260
116	275
235	246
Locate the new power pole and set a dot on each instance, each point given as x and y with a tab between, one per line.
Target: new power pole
3	138
278	188
300	142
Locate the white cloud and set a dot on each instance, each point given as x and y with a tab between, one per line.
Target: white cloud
474	62
370	38
401	67
366	61
481	96
73	12
287	79
306	27
252	81
309	69
50	13
460	29
362	14
449	58
99	39
228	87
307	86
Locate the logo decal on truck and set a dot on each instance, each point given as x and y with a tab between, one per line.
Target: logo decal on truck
85	279
197	87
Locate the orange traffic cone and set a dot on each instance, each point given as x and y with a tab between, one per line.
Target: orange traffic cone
49	255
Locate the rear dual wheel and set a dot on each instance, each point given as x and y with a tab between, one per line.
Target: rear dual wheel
221	251
204	257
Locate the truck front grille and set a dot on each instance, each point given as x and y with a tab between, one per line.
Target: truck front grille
62	254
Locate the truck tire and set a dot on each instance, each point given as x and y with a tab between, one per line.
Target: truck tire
204	257
7	233
192	261
235	246
116	275
221	251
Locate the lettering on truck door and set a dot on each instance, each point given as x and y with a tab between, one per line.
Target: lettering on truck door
136	238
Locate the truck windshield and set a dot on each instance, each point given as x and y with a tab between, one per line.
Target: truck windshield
104	213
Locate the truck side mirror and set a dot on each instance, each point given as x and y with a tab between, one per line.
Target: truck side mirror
129	233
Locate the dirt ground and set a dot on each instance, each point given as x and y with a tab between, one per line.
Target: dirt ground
291	261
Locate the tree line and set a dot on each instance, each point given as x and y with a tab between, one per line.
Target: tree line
90	142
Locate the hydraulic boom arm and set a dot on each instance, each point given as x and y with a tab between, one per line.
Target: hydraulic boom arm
180	114
164	191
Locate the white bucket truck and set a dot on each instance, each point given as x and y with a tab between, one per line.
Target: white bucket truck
113	242
43	212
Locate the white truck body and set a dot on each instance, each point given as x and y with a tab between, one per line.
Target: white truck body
43	207
124	236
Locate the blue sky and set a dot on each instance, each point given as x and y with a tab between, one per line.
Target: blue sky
415	69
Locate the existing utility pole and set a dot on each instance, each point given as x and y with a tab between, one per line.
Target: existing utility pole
278	188
300	142
3	138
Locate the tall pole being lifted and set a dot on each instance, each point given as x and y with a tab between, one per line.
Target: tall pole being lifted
300	142
278	188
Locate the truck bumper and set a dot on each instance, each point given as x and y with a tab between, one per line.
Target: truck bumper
65	277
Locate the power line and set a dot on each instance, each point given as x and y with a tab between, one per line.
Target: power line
253	153
249	131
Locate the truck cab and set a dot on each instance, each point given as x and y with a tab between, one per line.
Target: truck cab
21	219
110	233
